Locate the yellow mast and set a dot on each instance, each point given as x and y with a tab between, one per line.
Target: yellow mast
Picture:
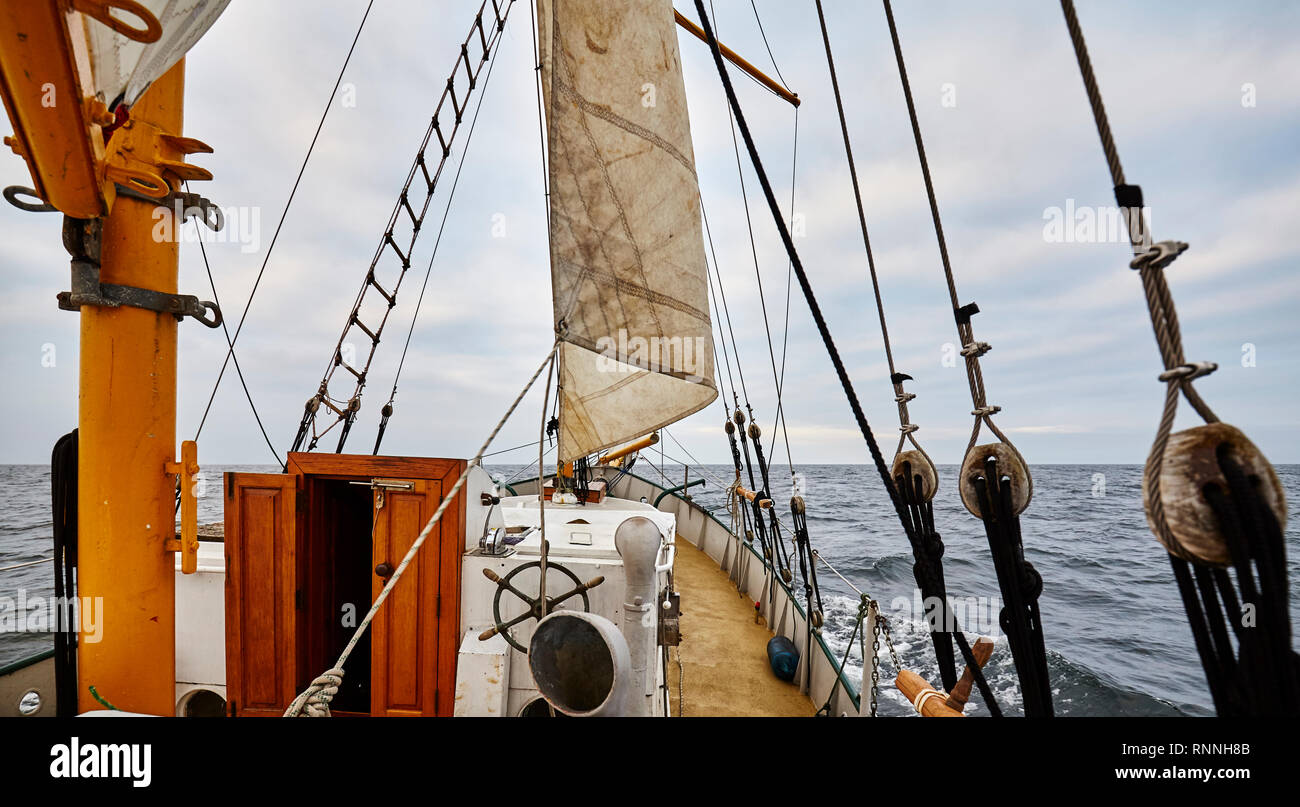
127	419
124	271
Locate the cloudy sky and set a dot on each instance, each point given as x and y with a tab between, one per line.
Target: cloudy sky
1204	99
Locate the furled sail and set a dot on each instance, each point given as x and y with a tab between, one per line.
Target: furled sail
628	271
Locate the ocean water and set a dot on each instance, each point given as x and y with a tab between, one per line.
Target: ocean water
1117	638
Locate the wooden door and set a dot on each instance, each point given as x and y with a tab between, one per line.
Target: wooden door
261	592
416	632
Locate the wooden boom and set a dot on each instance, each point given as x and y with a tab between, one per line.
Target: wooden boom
637	445
738	60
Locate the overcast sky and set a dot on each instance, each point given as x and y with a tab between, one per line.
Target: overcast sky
1204	99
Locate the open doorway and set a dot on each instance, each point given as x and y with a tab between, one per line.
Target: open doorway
307	552
340	552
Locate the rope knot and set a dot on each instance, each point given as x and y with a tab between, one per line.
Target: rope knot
908	428
315	700
903	398
974	350
1158	255
1189	371
985	411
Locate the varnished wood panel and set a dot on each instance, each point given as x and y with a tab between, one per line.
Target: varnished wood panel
261	615
417	631
365	465
404	677
277	554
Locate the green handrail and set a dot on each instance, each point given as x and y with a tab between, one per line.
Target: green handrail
677	489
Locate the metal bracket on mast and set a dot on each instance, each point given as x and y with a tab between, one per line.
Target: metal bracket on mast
87	290
82	238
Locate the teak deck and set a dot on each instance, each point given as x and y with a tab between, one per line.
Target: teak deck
724	651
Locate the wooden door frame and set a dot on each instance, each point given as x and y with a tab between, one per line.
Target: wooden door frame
444	473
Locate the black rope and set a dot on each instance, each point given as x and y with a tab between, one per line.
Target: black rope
755	505
927	550
1020	585
63	495
782	554
1262	678
822	328
239	371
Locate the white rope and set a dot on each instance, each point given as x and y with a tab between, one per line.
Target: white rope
25	565
314	701
924	695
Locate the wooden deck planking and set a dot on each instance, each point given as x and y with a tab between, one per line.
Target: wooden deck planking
724	650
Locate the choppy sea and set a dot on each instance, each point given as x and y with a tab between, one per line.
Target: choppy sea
1117	638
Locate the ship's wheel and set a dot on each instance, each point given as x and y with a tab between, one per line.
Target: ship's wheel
534	603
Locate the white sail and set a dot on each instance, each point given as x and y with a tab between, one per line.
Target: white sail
627	250
123	68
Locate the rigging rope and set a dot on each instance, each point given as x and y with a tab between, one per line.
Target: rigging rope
785	328
971	350
799	536
722	293
315	700
901	398
753	433
1019	582
387	411
279	225
928	548
1263	676
212	283
822	328
345	411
